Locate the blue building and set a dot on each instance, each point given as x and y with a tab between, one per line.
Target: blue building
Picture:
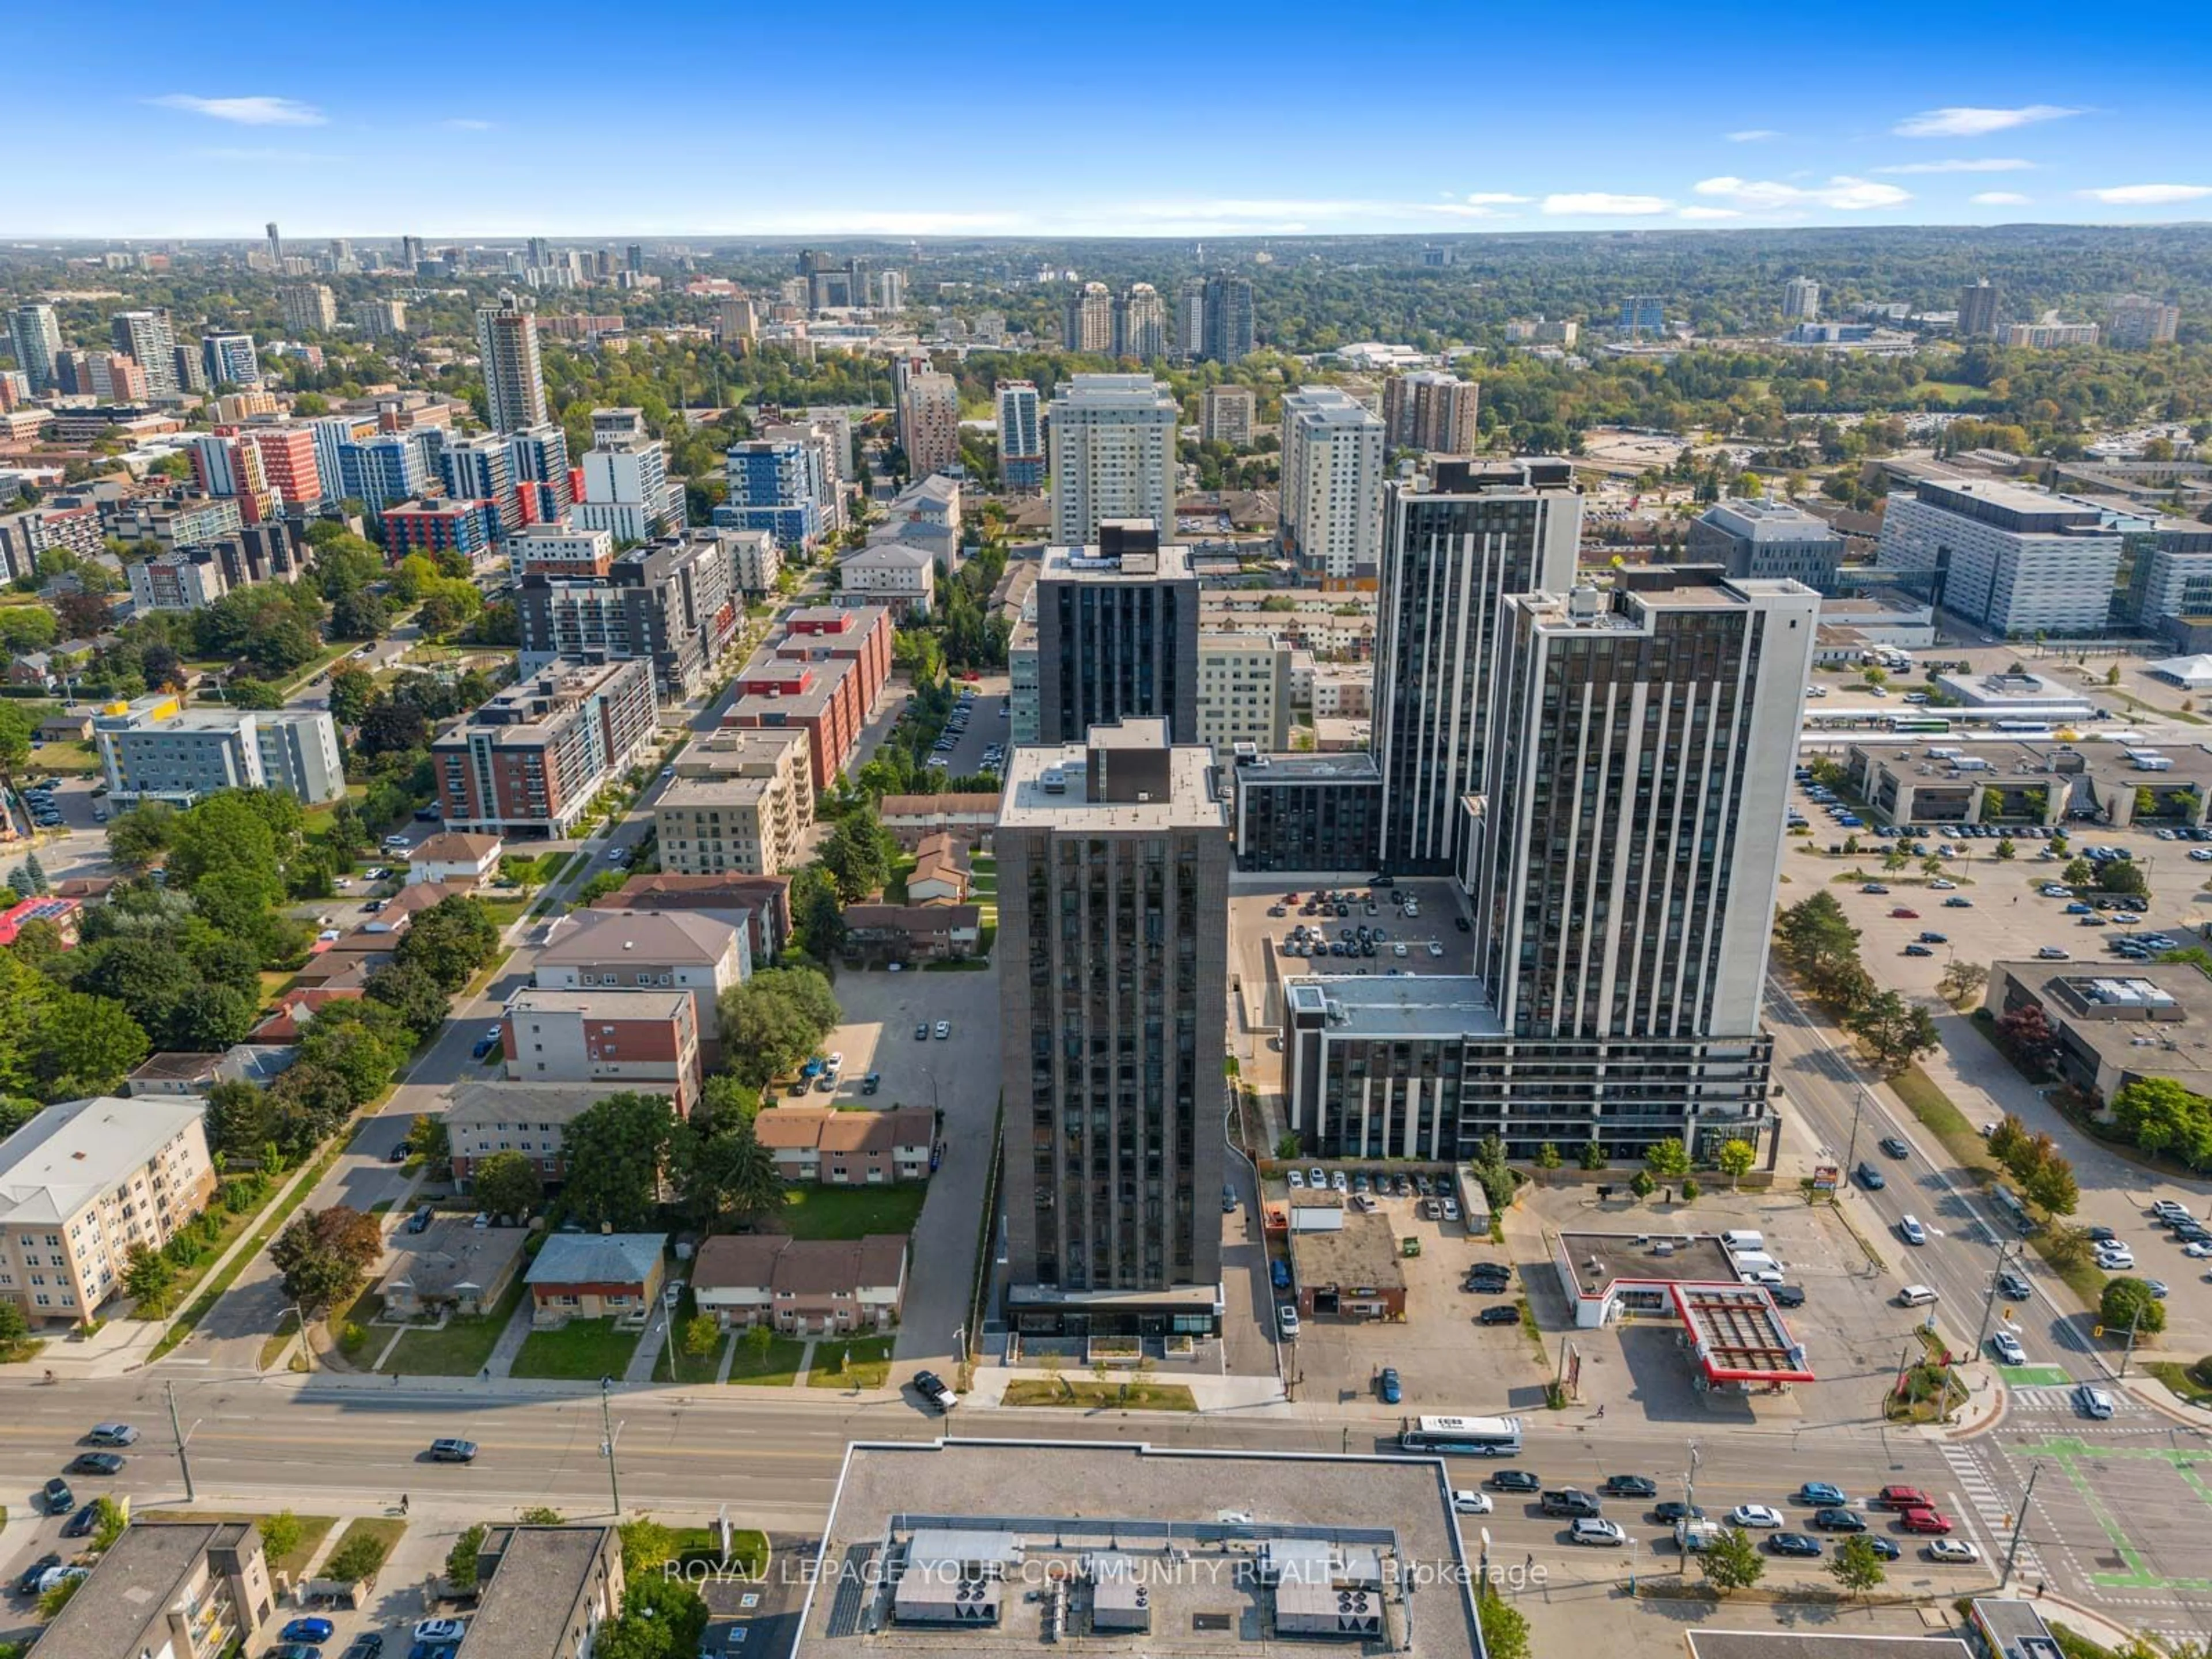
231	357
775	486
1643	313
479	470
385	470
538	462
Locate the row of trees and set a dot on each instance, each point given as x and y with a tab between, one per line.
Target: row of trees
1817	940
2044	1174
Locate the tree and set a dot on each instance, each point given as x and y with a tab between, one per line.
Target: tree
727	1176
34	872
352	690
2079	873
818	920
1817	940
2006	849
1856	1566
52	1603
2122	876
1505	1626
150	1279
461	1560
1962	982
507	1184
2026	1032
1548	1156
324	1254
87	1046
450	941
2129	1304
701	1336
765	1031
1668	1159
15	1330
358	1558
1735	1159
2161	1115
858	855
1731	1561
615	1153
2052	1186
1896	1032
428	1139
422	1003
646	1545
1592	1155
662	1618
280	1535
137	839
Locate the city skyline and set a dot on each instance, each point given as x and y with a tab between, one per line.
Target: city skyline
1953	128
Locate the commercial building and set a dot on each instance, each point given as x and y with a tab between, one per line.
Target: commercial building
152	749
670	603
230	359
2137	320
1306	812
2017	559
532	758
514	379
822	677
85	1180
1243	693
1977	310
1227	415
626	488
1021	436
742	801
1432	412
929	423
309	308
1642	314
2172	578
545	1592
2114	1022
1768	540
649	950
1113	882
1227	333
1456	544
642	1040
177	1590
1800	300
1113	448
35	336
774	486
1333	473
1117	634
804	1287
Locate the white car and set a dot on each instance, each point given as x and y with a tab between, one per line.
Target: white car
1753	1515
1602	1535
1470	1503
2199	1250
1952	1549
1910	1229
1940	885
943	1030
1297	1180
1434	949
2116	1256
440	1629
2008	1349
2093	1402
329	934
1287	1316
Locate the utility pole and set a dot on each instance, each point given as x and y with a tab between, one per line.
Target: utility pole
1851	1157
307	1352
2018	1526
2005	1255
2134	1325
609	1434
176	1428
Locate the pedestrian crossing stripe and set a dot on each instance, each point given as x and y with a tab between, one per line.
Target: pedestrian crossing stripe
2062	1398
1993	1508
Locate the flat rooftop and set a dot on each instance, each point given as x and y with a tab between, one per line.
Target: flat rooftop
130	1590
1193	1524
530	1603
1351	766
1603	1259
1410	1005
1364	1252
1779	1645
598	1004
1169	562
1046	787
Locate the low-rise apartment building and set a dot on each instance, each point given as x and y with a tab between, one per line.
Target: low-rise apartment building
531	1118
742	801
84	1181
901	578
879	934
155	749
532	758
645	1040
822	678
814	1287
848	1149
1243	692
171	1589
545	1592
644	950
759	906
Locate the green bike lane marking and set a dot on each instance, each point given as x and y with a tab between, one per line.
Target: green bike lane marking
2065	1452
2034	1376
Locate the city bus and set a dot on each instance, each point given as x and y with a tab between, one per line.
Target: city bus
1920	726
1471	1437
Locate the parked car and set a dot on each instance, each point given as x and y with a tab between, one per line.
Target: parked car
307	1630
26	1582
1500	1313
1286	1318
440	1629
1794	1543
57	1497
83	1523
1386	1386
1952	1550
931	1387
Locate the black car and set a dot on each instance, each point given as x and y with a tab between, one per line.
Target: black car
1629	1486
1673	1510
366	1645
1787	1296
1572	1501
1463	924
1502	1313
2012	1285
83	1523
1514	1480
57	1497
1835	1520
2100	1235
1884	1547
1871	1178
26	1582
1895	1146
1794	1543
921	1033
94	1463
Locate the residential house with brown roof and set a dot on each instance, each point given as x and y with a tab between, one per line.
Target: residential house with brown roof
468	860
968	816
912	933
848	1149
802	1286
941	872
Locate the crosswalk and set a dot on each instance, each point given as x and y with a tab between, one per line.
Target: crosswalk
2061	1400
1993	1508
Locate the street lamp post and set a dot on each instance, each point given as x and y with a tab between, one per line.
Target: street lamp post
610	1432
176	1428
2019	1527
1990	1302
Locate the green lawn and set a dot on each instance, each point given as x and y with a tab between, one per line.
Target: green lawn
582	1351
461	1348
1100	1396
775	1367
851	1211
69	759
314	1528
862	1363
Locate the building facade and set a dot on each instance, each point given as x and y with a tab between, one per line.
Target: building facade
1332	494
35	336
1432	411
1243	693
741	803
1767	539
2138	320
1021	436
1117	635
154	750
514	379
1800	300
1227	415
1114	866
642	1040
1113	446
1306	812
530	759
1456	544
929	418
2014	558
670	603
309	308
1977	310
1227	332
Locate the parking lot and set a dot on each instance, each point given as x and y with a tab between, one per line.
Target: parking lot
1435	935
986	724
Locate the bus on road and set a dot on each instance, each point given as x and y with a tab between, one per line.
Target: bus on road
1470	1436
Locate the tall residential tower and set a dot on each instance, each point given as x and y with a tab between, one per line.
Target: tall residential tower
1113	440
514	382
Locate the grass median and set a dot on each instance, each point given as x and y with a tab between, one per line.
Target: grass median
1069	1395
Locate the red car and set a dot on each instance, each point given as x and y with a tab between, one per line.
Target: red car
1904	914
1903	1497
1924	1521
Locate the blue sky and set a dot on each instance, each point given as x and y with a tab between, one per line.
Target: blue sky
686	117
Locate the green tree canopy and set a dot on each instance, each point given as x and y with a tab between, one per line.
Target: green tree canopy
615	1153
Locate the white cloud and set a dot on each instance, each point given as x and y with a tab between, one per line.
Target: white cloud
1966	121
259	112
1842	192
1753	136
1710	213
1492	198
467	124
1603	205
1986	164
2148	194
2002	198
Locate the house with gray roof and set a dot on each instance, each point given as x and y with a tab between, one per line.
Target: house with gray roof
597	1276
